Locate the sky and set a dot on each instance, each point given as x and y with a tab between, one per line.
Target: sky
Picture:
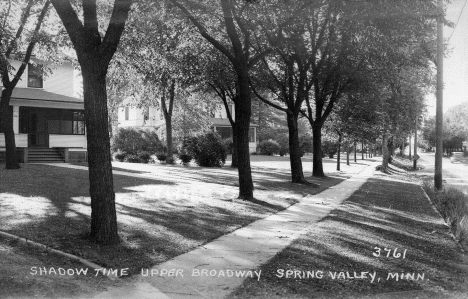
456	62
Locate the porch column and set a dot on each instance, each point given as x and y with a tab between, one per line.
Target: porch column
16	119
255	135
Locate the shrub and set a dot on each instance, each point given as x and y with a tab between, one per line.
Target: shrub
228	145
283	142
170	160
144	156
207	150
133	158
120	156
185	159
132	141
329	148
161	157
268	147
305	145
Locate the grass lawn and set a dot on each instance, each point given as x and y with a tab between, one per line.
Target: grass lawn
163	211
389	211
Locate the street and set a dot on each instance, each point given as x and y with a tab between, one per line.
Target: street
453	174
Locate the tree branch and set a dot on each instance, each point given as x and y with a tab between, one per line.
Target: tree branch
203	32
115	28
31	45
265	100
71	22
24	19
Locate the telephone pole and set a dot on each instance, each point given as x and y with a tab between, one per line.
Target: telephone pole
439	95
415	156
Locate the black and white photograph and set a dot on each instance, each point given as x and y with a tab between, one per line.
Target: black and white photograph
231	149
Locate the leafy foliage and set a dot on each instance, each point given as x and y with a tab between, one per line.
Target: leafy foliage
144	156
185	159
132	158
207	150
161	157
268	147
132	141
120	156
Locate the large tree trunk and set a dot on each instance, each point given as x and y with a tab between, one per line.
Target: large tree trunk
317	165
103	214
6	125
385	152
355	151
234	162
347	153
362	150
169	145
339	153
243	111
297	174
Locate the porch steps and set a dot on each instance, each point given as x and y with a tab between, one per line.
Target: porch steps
44	155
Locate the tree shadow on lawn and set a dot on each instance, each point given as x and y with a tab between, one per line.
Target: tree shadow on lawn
263	178
155	223
383	214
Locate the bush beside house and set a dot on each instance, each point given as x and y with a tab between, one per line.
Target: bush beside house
268	147
136	145
207	150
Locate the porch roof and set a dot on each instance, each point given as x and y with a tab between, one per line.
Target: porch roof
42	95
224	122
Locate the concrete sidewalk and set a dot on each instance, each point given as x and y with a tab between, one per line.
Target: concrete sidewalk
217	268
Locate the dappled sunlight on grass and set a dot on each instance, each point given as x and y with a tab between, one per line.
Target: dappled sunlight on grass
162	211
16	209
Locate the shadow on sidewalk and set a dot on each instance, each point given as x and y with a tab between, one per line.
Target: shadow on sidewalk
383	214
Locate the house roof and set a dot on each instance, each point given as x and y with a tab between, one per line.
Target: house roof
42	95
224	122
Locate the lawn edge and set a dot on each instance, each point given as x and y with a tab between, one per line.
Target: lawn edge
450	232
56	251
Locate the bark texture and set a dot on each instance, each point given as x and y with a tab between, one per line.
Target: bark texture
234	162
6	126
243	111
101	184
338	161
297	175
317	165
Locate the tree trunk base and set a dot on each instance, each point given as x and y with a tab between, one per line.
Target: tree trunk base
305	182
247	198
12	166
319	175
104	239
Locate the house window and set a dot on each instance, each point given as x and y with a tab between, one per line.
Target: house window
66	122
127	112
34	76
251	135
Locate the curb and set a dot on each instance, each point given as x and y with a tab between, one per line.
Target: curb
446	224
56	251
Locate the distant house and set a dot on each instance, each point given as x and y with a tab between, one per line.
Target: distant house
145	118
223	127
151	118
48	121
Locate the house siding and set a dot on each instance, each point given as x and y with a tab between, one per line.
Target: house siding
67	140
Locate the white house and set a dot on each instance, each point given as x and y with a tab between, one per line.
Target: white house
48	120
151	118
222	126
